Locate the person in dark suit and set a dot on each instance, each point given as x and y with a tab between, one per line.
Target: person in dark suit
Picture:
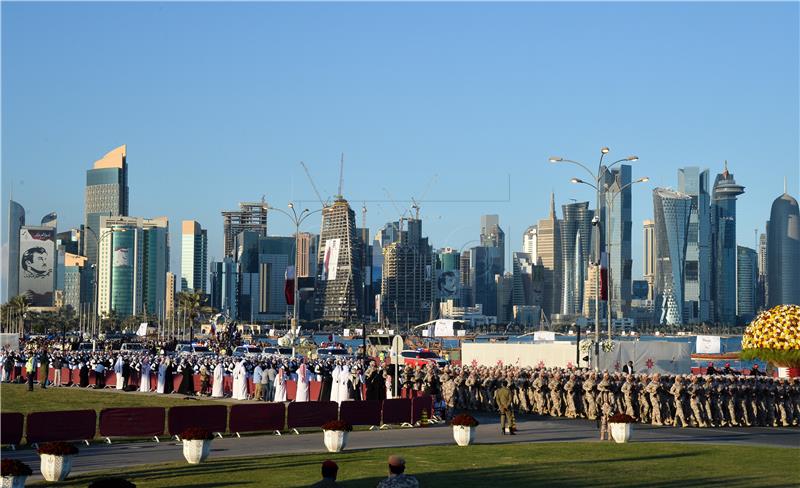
710	370
628	368
329	471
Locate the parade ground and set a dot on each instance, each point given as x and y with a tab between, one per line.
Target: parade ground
547	452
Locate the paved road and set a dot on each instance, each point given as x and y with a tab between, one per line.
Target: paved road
102	456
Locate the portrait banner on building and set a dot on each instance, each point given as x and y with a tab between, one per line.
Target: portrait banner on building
37	261
447	284
331	260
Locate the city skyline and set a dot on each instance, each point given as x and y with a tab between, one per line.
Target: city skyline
181	173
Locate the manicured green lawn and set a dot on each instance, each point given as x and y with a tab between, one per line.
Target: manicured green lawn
17	398
525	465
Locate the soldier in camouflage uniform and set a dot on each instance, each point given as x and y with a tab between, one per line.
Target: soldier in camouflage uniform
654	392
629	396
569	397
556	392
590	405
448	395
679	399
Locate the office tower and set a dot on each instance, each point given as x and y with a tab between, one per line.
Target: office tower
505	307
723	246
697	275
251	217
484	263
448	259
406	282
548	248
493	236
223	286
16	219
639	290
389	233
77	281
672	211
369	287
466	278
590	292
528	280
106	195
337	296
529	240
746	283
619	244
169	294
133	261
783	252
649	256
576	231
71	241
306	254
194	256
762	272
37	265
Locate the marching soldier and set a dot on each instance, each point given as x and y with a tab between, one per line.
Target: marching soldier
506	406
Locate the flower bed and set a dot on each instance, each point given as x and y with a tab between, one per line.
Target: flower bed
14	467
465	420
57	449
339	425
774	336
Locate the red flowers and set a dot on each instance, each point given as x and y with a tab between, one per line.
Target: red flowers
337	425
465	419
14	467
58	449
196	434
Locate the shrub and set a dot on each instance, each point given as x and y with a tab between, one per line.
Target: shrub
465	419
621	418
196	434
58	449
14	467
337	425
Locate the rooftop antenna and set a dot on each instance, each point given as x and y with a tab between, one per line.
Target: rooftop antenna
784	185
341	177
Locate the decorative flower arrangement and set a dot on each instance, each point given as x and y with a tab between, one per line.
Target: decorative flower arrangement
196	434
57	449
14	467
607	345
340	425
774	336
465	420
586	345
621	418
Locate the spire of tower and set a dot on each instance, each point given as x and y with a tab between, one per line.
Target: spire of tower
725	170
553	205
784	185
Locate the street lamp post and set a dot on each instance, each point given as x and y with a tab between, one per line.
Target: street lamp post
599	194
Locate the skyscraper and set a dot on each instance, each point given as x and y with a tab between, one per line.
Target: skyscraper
529	240
723	232
528	284
493	236
306	254
251	217
169	295
16	219
194	257
106	195
486	261
746	283
406	281
762	272
223	286
783	252
338	269
672	211
133	261
649	256
504	284
619	233
548	248
697	275
576	231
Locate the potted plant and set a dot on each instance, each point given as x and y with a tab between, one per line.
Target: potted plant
56	460
14	473
196	444
621	427
774	336
464	429
335	434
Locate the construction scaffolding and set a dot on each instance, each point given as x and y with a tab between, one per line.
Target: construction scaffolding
251	216
406	282
340	275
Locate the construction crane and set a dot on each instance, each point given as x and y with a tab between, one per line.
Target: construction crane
310	179
397	208
341	178
416	201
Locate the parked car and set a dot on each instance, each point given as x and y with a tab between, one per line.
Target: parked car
191	348
85	347
333	352
422	357
280	351
242	351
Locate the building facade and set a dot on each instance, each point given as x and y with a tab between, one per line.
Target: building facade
307	254
169	294
649	256
698	274
762	271
77	281
251	217
616	183
548	248
16	219
672	211
746	284
529	240
223	286
407	277
723	246
194	257
576	231
338	271
783	252
106	196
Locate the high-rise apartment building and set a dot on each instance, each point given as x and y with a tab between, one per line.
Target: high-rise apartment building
406	282
723	246
505	305
672	211
762	272
616	182
251	217
194	257
529	240
338	269
746	283
493	236
223	287
698	273
133	260
77	281
169	294
783	252
548	248
528	280
649	255
576	231
16	220
306	254
106	196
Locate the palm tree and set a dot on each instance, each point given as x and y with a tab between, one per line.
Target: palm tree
16	309
193	305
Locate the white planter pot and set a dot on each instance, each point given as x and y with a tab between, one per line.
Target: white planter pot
620	432
335	440
14	481
196	451
55	468
463	435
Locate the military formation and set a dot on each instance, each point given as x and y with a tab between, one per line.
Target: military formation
676	400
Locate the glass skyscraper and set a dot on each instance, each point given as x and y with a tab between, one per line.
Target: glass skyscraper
783	252
106	195
746	283
16	219
194	256
697	274
672	211
619	247
576	231
723	228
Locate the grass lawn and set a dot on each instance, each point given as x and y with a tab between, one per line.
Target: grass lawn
17	398
502	465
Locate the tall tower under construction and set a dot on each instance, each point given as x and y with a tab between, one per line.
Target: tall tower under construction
251	216
338	265
406	280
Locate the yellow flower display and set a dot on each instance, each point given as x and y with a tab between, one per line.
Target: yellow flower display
774	336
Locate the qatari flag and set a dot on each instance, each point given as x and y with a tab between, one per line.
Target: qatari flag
604	276
288	287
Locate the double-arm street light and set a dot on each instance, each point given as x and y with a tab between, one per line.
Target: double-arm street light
96	267
600	193
297	219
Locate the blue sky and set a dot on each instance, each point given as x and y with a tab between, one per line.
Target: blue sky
218	103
